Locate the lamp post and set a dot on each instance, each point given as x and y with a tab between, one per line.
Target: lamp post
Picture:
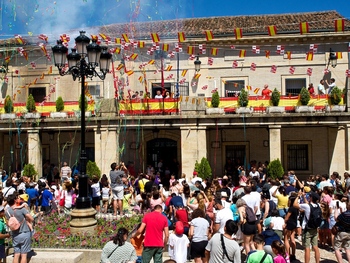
82	63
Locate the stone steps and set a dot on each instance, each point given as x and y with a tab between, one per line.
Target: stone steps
52	257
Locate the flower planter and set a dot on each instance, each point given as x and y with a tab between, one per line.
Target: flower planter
58	115
244	110
212	111
275	109
304	109
335	108
78	114
8	116
32	115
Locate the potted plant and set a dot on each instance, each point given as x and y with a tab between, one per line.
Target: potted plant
87	113
275	100
31	108
335	98
203	169
215	102
92	169
29	171
243	100
304	98
59	109
275	169
8	107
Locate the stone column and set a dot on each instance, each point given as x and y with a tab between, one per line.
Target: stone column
106	148
338	146
275	142
193	147
347	147
35	151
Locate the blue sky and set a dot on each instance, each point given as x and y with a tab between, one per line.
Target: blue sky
55	17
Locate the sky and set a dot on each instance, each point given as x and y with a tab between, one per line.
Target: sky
53	18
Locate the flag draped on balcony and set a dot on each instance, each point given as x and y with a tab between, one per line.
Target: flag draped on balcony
339	25
209	35
238	33
304	28
272	30
181	37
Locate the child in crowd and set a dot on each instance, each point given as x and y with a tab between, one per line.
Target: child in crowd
178	244
106	191
3	235
137	242
279	250
259	255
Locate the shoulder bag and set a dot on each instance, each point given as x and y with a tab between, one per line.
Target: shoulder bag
224	248
110	254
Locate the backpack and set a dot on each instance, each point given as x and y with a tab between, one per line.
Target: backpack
13	223
272	206
250	215
315	218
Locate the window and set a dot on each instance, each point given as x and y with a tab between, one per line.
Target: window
294	85
171	86
38	93
298	157
233	87
95	90
236	153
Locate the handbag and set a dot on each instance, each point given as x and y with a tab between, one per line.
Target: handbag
62	200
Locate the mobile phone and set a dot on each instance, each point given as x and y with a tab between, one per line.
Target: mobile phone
338	204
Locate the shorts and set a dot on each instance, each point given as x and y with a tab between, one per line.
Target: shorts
310	237
22	243
118	193
342	240
96	201
198	249
249	229
2	252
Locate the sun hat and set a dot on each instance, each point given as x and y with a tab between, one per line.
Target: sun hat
25	197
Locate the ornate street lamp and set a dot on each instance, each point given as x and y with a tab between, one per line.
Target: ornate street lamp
197	64
83	62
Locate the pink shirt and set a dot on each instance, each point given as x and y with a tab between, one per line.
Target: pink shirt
326	199
280	259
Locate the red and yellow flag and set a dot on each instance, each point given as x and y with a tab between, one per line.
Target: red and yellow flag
151	62
42	76
126	38
272	30
7	59
289	55
197	76
134	56
209	35
214	51
249	87
238	33
190	50
140	79
130	72
181	37
141	44
184	72
242	53
118	40
310	56
339	25
304	28
168	68
256	90
339	55
155	38
166	47
267	53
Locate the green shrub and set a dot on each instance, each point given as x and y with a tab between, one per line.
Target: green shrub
8	104
30	105
215	99
243	98
336	96
275	97
29	171
59	104
275	169
92	169
304	96
86	102
203	169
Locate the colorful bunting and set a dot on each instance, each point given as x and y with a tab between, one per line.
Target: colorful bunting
202	48
140	79
151	62
242	53
134	56
256	91
214	51
197	76
126	38
339	25
181	37
141	44
166	47
309	71
190	50
304	28
347	73
313	48
273	69
19	39
235	64
289	55
309	56
256	49
267	53
209	35
280	49
292	70
253	66
249	87
339	55
169	67
184	72
43	37
205	87
210	61
272	30
155	38
238	33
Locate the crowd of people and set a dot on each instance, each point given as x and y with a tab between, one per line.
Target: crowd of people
243	216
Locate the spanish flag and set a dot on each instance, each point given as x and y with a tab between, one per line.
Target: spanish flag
197	76
304	28
141	44
141	79
19	39
130	72
118	40
104	37
209	35
272	30
256	91
126	38
155	38
134	56
166	47
242	53
117	50
184	72
267	53
289	55
7	59
339	25
190	50
42	76
50	70
214	51
168	68
339	55
310	56
238	33
249	87
181	37
151	62
120	66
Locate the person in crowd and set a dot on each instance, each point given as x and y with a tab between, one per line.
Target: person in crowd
156	235
248	229
342	237
178	244
21	238
311	89
223	214
66	172
259	255
67	194
269	236
137	242
105	193
96	193
282	200
291	220
266	91
117	187
331	84
320	87
198	233
118	249
3	235
222	247
279	250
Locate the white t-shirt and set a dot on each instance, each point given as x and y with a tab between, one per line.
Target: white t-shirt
216	252
200	231
252	201
306	208
278	223
255	174
8	191
221	218
333	205
95	188
272	190
258	197
178	247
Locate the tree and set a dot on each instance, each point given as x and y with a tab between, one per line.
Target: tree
92	169
59	104
336	96
215	99
29	171
30	105
275	169
203	169
304	96
8	104
275	97
243	98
